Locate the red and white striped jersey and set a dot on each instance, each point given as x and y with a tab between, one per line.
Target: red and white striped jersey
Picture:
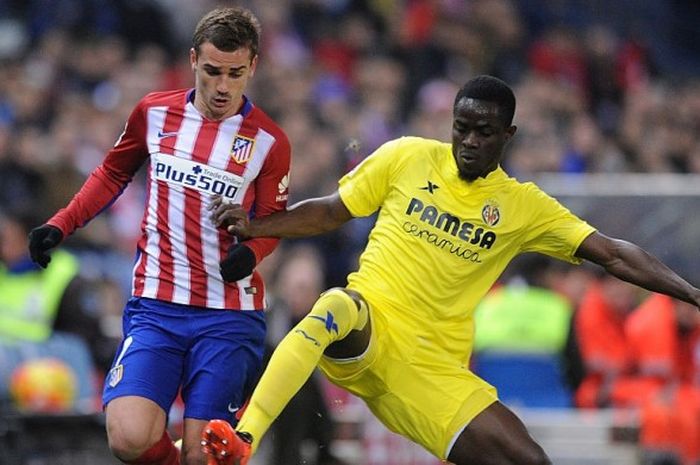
245	158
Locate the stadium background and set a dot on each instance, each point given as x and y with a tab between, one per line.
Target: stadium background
608	115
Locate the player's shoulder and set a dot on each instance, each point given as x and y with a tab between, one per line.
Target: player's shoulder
414	148
259	118
420	144
165	98
526	188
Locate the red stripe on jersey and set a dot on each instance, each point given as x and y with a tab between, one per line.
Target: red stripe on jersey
258	283
166	275
140	270
193	212
173	121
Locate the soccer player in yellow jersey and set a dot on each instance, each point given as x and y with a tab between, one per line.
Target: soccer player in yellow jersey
400	335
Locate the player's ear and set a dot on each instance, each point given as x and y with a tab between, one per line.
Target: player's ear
510	132
253	65
193	59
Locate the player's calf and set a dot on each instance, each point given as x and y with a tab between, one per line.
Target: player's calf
496	436
163	452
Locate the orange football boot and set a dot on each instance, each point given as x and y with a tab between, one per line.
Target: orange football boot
224	445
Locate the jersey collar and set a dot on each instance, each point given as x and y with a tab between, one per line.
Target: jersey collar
244	111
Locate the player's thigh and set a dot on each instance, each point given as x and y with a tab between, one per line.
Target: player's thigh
427	402
223	364
149	360
496	436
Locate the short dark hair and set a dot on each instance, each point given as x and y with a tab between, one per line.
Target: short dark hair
228	29
490	89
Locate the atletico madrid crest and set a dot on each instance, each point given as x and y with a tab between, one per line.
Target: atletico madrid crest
242	149
115	375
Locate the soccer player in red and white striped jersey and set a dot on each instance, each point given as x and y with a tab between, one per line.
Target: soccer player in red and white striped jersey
195	320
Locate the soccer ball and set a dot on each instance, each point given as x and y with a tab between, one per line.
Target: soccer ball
44	385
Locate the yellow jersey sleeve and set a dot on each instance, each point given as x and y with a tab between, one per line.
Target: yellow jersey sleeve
554	231
364	189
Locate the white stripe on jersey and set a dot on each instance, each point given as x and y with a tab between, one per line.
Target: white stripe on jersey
155	122
210	237
186	139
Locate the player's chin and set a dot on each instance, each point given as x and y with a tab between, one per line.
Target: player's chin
220	109
469	175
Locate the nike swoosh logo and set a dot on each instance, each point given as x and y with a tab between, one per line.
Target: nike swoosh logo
232	409
163	135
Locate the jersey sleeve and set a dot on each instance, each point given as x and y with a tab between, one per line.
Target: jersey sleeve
555	231
109	179
364	188
271	193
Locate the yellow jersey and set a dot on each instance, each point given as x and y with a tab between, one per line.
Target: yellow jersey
440	242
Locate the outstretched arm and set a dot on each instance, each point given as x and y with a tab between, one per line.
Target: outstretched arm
633	264
306	218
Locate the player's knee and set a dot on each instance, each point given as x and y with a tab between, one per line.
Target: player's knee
128	447
127	441
340	311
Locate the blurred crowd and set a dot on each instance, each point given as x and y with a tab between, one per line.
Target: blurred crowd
341	77
601	87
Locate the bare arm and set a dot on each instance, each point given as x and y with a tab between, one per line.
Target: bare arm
306	218
633	264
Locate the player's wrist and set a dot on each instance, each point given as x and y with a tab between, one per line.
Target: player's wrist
240	262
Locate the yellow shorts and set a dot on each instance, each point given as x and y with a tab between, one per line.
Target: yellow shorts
412	390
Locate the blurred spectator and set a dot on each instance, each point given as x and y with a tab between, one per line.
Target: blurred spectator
31	297
523	327
558	55
433	116
663	337
653	365
22	186
56	312
600	331
35	302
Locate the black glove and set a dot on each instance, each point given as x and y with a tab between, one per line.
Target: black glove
239	263
41	240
